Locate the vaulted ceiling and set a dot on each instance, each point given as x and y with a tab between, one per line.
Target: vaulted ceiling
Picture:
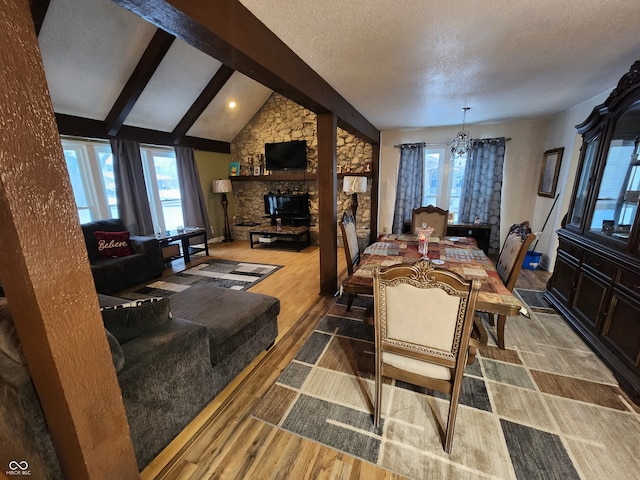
400	64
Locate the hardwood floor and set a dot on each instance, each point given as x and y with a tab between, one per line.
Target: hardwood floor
224	441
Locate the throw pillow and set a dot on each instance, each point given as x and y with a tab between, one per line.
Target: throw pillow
130	320
113	244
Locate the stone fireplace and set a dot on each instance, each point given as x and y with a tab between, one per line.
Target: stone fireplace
281	120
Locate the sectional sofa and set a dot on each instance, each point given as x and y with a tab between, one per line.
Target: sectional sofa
171	356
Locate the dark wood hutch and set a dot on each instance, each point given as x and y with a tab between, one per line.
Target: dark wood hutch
596	278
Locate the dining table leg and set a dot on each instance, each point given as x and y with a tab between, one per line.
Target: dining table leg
479	329
502	320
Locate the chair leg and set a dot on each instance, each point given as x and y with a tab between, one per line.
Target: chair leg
451	420
502	319
378	400
479	329
350	301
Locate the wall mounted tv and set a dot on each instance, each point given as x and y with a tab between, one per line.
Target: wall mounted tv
286	155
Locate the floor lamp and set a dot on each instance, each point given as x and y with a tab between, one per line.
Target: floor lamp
224	187
354	185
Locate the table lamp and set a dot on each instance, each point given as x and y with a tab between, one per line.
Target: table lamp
354	185
224	187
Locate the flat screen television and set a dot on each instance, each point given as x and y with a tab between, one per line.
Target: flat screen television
291	209
286	155
287	205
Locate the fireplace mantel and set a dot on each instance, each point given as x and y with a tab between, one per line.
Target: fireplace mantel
279	177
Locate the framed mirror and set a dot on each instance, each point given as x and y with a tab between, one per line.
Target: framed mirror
549	172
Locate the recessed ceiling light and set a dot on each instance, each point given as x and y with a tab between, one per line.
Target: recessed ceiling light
232	104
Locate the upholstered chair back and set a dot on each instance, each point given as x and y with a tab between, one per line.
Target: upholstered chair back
421	310
350	242
423	322
434	217
513	253
436	336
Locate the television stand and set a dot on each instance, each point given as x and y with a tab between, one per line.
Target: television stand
286	237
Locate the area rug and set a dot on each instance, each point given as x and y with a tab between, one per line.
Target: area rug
220	273
535	300
545	408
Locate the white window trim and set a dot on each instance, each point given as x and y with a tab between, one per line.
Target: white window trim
445	177
155	203
91	173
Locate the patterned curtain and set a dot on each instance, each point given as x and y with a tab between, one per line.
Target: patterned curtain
131	190
410	184
194	210
482	186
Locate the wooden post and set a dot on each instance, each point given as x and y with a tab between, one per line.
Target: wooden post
327	198
375	172
45	272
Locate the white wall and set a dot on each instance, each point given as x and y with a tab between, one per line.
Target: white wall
523	161
561	133
521	170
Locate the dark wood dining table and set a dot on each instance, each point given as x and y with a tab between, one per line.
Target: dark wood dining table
459	254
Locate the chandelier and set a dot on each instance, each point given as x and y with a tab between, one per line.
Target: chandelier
462	143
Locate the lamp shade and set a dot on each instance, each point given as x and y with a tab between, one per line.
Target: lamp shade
221	186
354	184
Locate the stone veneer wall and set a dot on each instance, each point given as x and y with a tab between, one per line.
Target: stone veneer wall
282	120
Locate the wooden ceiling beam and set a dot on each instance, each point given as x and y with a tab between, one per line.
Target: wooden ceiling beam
149	62
204	99
229	32
88	128
38	12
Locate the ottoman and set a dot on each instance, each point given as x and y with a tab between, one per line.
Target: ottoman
240	324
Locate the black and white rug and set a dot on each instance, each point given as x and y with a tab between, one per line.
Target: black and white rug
220	273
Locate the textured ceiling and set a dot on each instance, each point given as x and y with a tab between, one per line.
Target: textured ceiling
409	64
415	64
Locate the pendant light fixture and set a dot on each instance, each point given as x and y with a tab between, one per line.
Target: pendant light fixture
462	143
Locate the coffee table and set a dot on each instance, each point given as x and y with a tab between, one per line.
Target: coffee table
184	237
286	236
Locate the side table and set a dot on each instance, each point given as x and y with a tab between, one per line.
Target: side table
184	237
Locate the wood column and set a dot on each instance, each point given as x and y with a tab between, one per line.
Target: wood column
375	182
45	272
327	202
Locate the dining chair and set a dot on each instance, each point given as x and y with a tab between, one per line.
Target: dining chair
509	264
433	216
423	321
352	255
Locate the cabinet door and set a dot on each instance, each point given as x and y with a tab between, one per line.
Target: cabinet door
615	207
584	182
590	300
562	282
622	327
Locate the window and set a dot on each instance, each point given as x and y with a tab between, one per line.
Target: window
163	188
443	176
90	167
